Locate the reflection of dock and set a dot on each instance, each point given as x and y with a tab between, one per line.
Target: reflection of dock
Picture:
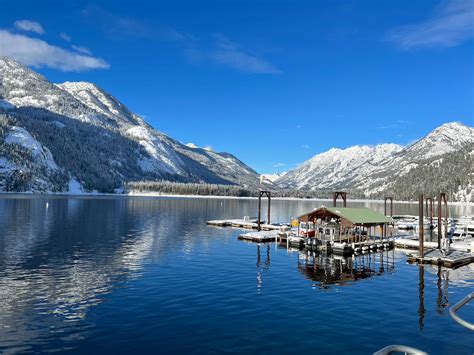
333	269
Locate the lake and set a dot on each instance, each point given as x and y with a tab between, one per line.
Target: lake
136	274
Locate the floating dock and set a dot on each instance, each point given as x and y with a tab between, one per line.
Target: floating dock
242	223
260	237
414	244
451	259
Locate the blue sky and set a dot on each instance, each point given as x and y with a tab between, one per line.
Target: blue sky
273	82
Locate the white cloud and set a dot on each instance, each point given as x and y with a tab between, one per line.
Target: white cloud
231	54
279	165
29	26
65	36
450	25
305	146
81	49
38	53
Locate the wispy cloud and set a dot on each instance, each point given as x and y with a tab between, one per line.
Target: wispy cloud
65	37
305	146
217	49
121	27
29	26
278	165
451	24
81	49
38	53
233	55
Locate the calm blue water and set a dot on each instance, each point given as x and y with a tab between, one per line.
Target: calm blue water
121	275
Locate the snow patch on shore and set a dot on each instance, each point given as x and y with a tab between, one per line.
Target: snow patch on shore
75	187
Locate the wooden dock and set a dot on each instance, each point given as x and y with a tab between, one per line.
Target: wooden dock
241	223
260	237
452	259
414	244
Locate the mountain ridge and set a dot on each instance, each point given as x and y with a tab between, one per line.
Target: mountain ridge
375	169
33	103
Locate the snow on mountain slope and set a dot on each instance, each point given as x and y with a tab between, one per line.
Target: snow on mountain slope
94	97
166	153
374	169
162	156
20	136
106	142
22	87
444	139
22	159
337	167
271	178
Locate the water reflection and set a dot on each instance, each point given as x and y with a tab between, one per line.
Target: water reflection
62	258
333	269
461	277
262	266
421	296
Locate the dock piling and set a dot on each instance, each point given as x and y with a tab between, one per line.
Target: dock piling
336	195
421	234
260	195
442	199
388	198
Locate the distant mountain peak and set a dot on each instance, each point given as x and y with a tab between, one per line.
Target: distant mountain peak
372	169
444	139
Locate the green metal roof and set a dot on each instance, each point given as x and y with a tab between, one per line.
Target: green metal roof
360	215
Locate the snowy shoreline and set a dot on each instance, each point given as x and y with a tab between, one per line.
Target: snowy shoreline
142	194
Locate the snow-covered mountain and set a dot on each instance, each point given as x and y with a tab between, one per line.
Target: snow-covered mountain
372	170
271	178
94	140
337	168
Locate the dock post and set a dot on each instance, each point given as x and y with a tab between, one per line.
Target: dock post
384	231
337	194
421	234
429	207
260	194
269	202
442	198
259	210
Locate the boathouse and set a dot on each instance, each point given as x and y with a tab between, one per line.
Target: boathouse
339	223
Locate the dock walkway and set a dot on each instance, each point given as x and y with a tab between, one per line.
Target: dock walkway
452	259
241	223
414	244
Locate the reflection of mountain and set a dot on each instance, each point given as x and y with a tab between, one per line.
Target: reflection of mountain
334	269
59	257
61	285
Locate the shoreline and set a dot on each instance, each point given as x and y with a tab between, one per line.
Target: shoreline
148	194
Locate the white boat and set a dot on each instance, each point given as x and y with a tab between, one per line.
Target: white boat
461	227
405	221
470	229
